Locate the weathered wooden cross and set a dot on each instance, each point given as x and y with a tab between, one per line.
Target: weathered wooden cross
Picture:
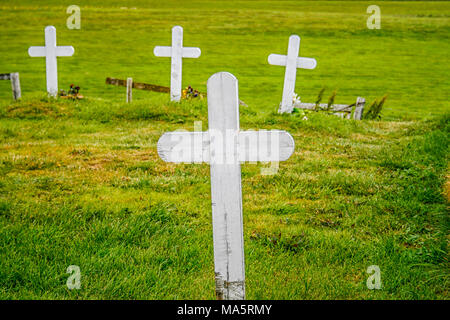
50	52
223	146
292	61
176	52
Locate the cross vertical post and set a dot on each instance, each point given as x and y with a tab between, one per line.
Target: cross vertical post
176	63
176	52
226	194
292	62
291	71
51	68
50	52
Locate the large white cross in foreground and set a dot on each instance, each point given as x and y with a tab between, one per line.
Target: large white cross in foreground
176	52
223	146
50	52
292	62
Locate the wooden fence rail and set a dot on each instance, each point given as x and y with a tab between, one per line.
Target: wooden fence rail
138	85
145	86
341	110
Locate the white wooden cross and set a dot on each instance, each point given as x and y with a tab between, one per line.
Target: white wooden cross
50	52
292	62
176	52
224	146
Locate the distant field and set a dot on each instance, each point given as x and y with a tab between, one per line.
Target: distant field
81	182
407	58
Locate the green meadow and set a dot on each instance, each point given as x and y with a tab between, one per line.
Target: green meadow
81	182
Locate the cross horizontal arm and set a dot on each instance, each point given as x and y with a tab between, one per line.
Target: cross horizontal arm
306	63
162	51
191	52
36	51
64	51
281	60
194	147
182	146
265	146
277	59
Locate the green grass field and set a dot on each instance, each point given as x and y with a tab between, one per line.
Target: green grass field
81	182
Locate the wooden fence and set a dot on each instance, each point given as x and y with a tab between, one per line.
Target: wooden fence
15	83
144	86
341	110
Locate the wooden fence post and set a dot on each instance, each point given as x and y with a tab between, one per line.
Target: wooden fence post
15	85
129	89
359	108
